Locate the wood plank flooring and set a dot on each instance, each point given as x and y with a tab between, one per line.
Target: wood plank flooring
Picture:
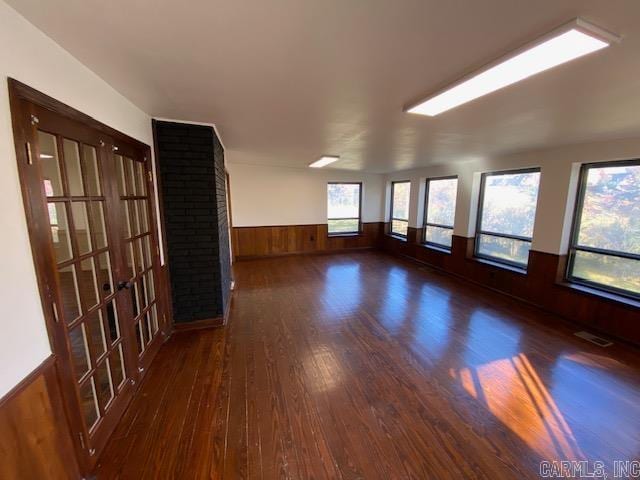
365	366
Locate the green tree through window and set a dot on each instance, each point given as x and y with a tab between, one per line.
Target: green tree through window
605	249
506	215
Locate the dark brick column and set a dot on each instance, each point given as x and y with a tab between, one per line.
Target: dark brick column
193	194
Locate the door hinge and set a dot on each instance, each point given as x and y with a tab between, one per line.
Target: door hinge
29	154
150	175
34	120
55	312
81	437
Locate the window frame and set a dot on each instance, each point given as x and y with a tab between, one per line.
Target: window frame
479	230
426	224
391	217
574	246
359	217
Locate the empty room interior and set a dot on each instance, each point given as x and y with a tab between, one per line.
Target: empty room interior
330	239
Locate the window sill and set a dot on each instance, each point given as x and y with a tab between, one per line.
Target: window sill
349	234
397	237
436	248
602	294
503	266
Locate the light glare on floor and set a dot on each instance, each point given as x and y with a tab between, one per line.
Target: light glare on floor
555	50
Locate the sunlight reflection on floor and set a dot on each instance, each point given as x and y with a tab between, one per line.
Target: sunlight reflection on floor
512	391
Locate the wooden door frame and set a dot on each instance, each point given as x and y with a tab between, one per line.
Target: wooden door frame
41	248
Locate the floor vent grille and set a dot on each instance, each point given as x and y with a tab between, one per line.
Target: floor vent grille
601	342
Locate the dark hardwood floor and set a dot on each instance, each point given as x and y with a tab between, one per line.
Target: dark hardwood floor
365	366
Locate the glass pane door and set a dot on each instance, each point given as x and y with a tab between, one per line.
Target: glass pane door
139	249
73	182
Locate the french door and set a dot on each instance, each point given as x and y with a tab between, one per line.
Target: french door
89	201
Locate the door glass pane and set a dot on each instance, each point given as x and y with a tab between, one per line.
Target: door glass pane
141	341
72	164
130	177
147	252
79	351
96	333
112	321
133	212
89	403
97	221
150	287
117	367
60	231
142	213
140	180
126	219
154	319
139	255
134	299
129	254
69	292
105	279
121	178
88	283
105	389
149	327
81	226
90	164
143	292
50	164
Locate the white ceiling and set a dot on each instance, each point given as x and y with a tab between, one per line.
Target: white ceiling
288	80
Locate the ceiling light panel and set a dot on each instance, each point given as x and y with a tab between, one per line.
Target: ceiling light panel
573	40
324	161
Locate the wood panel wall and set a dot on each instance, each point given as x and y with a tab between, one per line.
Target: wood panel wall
34	437
256	242
542	285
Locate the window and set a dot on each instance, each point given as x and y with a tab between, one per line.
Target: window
605	246
400	192
439	211
506	214
343	208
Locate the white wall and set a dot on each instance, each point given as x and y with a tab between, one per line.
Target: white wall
556	197
31	57
266	195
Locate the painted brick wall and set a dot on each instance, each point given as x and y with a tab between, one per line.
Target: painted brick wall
191	163
223	224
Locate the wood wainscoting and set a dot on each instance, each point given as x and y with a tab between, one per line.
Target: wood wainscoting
256	242
35	440
542	285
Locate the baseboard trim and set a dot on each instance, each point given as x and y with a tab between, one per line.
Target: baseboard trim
199	324
296	254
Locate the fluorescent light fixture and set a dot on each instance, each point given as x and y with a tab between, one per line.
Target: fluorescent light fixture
324	161
45	155
570	41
